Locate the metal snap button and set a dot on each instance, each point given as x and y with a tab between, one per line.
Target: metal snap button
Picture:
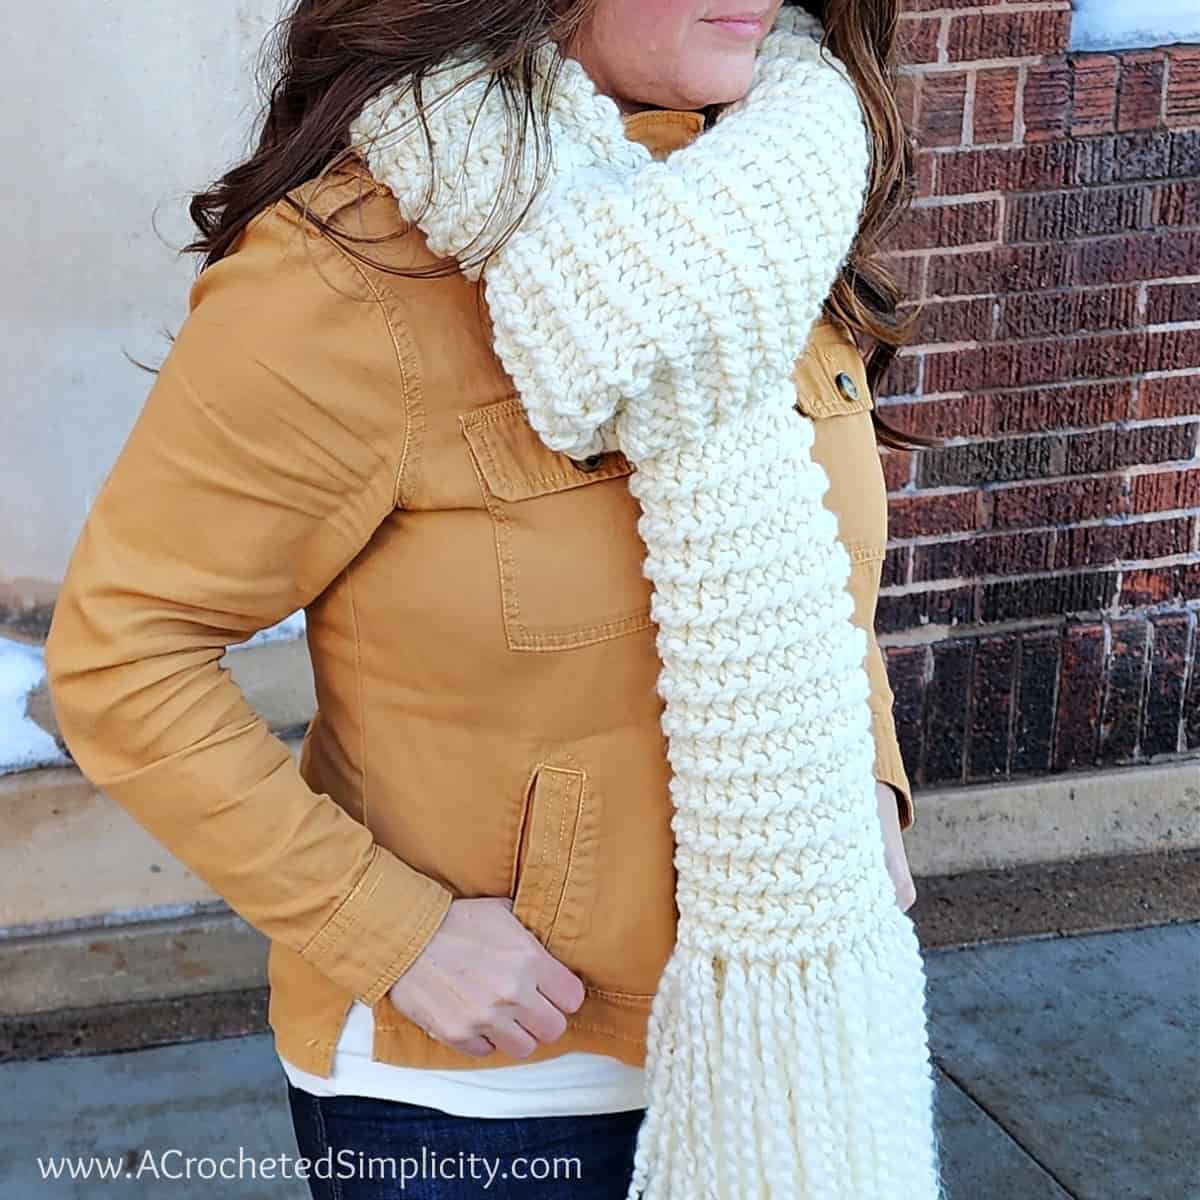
590	463
847	386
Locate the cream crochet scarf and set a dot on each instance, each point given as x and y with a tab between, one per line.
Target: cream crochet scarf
659	308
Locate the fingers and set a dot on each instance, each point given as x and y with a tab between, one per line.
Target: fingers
516	1026
528	1016
486	983
559	984
513	1040
477	1048
460	1035
518	1038
542	1019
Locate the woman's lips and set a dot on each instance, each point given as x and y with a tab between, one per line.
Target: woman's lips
745	26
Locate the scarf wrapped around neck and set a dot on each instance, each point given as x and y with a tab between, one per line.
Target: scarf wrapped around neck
659	308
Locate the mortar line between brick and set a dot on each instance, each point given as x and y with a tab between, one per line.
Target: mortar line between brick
1019	104
968	125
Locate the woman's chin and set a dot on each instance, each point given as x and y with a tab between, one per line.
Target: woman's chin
713	91
722	83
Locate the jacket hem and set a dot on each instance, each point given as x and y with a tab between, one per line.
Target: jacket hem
609	1023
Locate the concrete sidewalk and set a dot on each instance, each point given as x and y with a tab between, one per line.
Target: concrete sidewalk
1067	1067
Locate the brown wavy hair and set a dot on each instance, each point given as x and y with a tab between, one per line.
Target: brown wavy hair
327	58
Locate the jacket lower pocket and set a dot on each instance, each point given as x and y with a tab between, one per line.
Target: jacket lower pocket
555	858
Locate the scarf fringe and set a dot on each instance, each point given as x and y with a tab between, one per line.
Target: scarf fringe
843	1113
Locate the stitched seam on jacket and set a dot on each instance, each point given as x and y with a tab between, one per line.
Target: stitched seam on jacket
570	867
405	361
362	708
632	999
341	920
585	635
560	480
384	980
864	551
611	1031
510	614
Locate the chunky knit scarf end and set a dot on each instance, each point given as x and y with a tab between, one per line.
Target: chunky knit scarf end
659	308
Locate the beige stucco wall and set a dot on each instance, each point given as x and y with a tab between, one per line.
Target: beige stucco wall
113	112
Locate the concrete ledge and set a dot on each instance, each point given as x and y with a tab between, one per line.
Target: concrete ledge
72	859
150	960
1056	818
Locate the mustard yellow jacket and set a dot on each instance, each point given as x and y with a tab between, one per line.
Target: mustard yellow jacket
326	436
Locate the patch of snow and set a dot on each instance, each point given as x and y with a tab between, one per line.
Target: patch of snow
24	745
1122	25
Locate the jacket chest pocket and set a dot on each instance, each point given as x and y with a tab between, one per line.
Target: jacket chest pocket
832	390
568	553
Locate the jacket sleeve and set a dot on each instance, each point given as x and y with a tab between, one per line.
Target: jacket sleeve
268	451
889	765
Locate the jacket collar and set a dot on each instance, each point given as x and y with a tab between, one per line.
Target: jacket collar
662	130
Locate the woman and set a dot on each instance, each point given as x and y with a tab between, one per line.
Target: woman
483	881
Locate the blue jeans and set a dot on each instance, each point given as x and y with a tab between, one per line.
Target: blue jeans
366	1149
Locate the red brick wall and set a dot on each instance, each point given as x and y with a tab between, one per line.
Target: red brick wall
1042	585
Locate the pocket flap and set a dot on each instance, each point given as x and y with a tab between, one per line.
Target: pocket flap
517	465
548	848
830	376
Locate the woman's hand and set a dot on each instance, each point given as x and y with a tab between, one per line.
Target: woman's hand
485	983
893	846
